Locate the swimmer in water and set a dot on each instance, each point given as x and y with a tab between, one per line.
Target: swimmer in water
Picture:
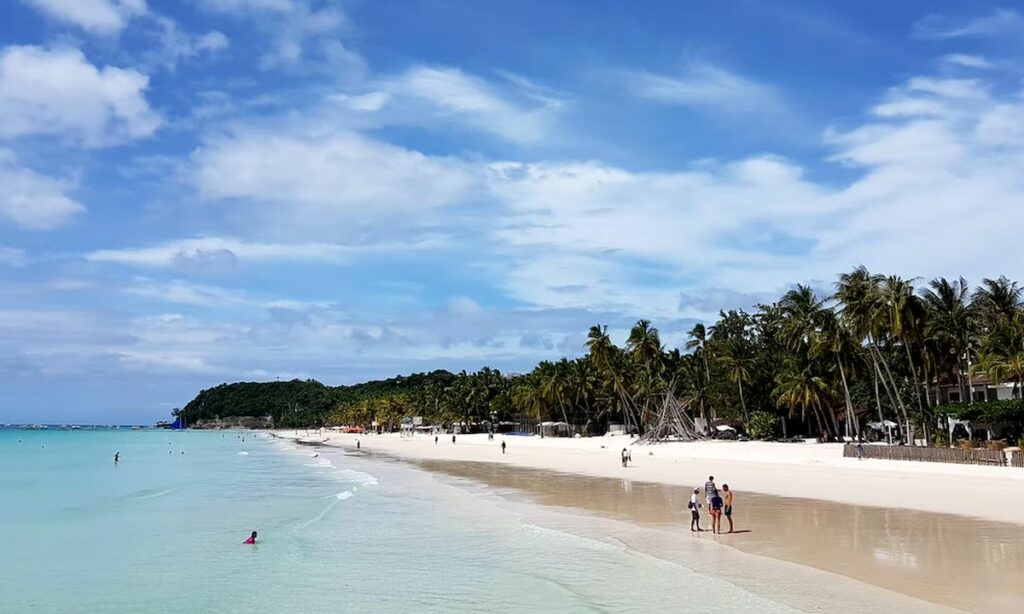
117	456
252	539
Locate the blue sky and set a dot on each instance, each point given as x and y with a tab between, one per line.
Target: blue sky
202	191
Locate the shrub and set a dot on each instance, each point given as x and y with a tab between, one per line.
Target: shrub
762	425
998	444
1020	443
966	444
941	439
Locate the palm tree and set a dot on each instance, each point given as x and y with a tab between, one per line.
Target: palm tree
997	301
835	342
951	326
738	366
906	317
697	343
798	388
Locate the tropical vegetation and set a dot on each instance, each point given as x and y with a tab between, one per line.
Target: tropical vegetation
812	363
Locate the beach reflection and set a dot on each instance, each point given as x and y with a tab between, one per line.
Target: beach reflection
961	562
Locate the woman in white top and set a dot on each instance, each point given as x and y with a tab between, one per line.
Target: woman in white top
695	510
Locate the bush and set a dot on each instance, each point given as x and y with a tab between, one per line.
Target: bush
1020	443
966	444
941	439
762	425
998	444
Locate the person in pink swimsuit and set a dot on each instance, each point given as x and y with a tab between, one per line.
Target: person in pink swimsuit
251	539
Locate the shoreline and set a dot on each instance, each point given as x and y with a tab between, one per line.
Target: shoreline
936	558
808	471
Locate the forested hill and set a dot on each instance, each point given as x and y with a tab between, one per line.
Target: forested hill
304	402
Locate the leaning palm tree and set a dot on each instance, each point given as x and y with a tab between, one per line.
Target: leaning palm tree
738	366
697	342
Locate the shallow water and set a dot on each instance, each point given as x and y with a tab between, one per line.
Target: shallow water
161	532
966	563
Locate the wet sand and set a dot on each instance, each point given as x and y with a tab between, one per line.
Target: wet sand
969	564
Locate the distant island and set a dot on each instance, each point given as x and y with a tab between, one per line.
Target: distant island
877	358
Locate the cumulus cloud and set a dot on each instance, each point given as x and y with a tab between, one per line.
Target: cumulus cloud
58	92
96	16
936	162
31	200
316	182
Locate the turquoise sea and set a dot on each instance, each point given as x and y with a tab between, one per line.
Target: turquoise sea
162	531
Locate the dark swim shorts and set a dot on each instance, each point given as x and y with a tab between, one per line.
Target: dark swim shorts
728	510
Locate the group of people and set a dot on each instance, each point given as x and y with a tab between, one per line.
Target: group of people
719	503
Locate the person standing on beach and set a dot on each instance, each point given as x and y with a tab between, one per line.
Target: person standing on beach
694	506
435	440
716	512
453	437
625	457
728	504
502	446
357	444
709	489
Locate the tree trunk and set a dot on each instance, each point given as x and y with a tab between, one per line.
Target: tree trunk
743	405
899	400
846	396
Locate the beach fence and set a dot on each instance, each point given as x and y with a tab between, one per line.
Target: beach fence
1017	460
930	455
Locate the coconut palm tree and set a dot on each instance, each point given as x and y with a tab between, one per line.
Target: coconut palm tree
697	343
952	327
739	367
799	388
996	301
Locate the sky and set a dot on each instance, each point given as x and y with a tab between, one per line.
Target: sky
203	191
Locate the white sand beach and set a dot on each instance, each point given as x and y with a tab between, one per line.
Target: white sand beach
808	470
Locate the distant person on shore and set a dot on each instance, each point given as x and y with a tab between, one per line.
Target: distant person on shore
625	457
453	437
435	439
251	539
716	512
357	444
502	446
860	451
117	457
727	496
694	506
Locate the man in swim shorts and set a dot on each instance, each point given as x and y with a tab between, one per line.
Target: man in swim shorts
727	496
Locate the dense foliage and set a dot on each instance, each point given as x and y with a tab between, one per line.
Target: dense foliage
807	364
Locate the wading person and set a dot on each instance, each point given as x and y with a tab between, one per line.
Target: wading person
709	489
716	512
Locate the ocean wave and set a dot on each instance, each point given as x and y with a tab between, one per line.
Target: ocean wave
154	495
243	454
344	495
352	476
320	462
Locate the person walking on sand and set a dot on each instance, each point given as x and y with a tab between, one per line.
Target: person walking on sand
502	446
694	506
709	489
453	437
716	512
727	496
860	451
625	457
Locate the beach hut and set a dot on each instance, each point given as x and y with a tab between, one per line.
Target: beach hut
554	429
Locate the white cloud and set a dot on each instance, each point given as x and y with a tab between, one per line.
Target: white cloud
96	16
938	177
997	23
452	96
313	182
175	45
12	256
31	200
58	92
205	253
708	87
301	35
966	60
